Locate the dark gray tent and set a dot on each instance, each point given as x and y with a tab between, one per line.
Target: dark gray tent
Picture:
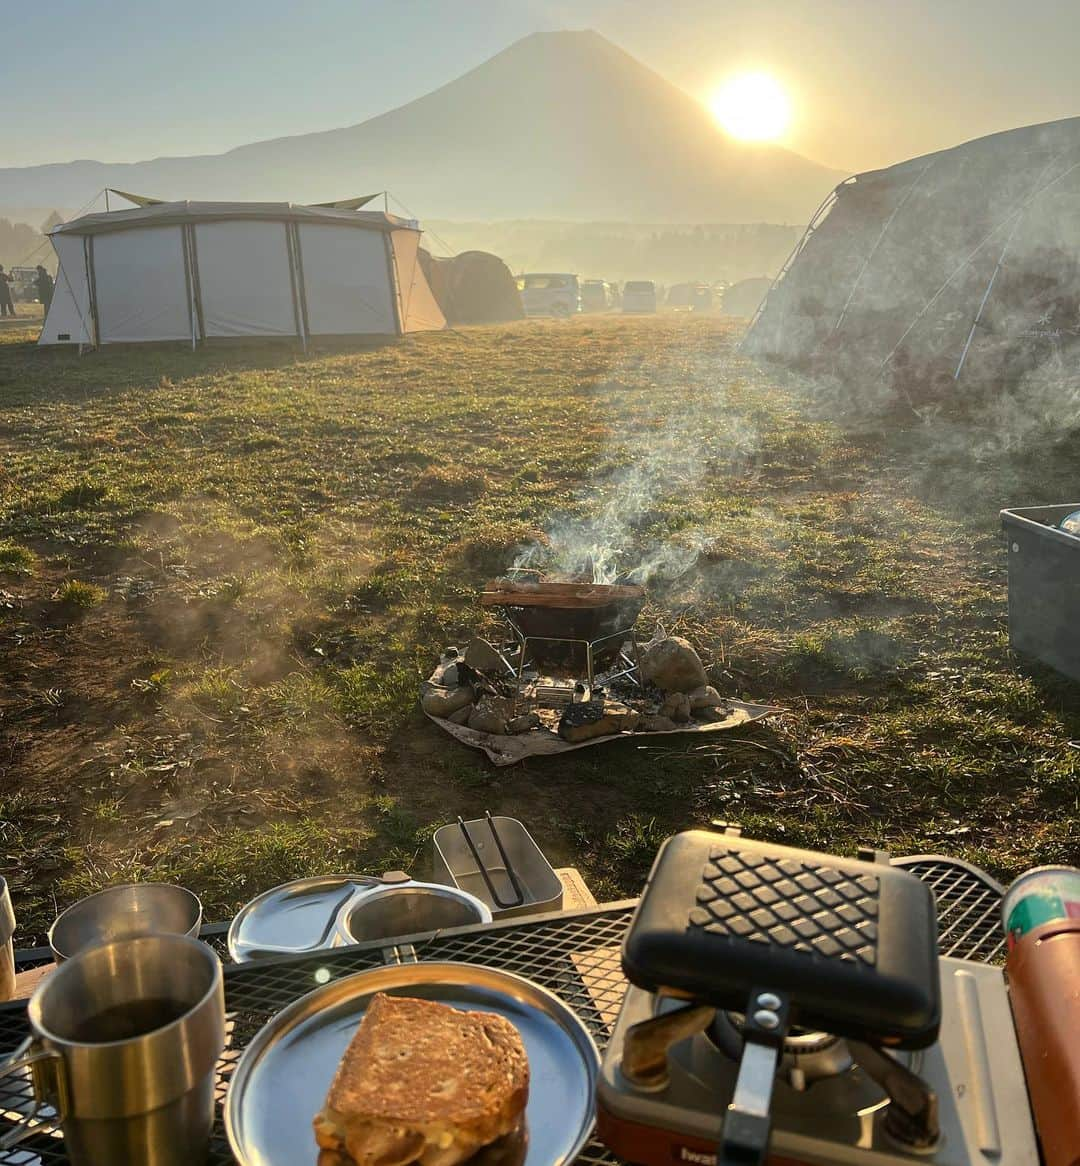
960	266
474	287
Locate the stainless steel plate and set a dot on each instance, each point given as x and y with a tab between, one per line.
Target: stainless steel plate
281	1080
295	917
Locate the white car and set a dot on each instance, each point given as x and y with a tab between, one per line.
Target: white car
639	295
549	293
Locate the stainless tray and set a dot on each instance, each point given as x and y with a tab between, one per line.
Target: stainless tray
295	917
281	1080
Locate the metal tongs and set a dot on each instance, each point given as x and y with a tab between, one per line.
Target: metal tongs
511	874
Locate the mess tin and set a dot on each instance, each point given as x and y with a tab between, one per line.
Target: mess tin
125	1039
124	912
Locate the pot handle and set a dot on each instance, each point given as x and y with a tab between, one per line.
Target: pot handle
49	1077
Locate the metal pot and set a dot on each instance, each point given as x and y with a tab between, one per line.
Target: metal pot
408	908
125	912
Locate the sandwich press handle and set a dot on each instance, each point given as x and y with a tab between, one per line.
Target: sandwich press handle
744	1139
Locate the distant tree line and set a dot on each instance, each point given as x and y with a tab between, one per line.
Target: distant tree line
621	251
20	243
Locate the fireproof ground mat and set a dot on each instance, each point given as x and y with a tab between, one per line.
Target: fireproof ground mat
508	750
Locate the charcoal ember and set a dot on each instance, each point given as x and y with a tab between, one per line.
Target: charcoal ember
672	665
441	702
705	698
676	706
594	718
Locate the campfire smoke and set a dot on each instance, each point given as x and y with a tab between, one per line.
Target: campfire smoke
616	539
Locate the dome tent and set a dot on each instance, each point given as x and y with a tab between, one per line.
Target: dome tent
962	266
194	271
474	287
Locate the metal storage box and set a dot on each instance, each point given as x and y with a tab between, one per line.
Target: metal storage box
541	888
1044	586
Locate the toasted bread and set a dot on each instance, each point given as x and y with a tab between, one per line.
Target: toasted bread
424	1083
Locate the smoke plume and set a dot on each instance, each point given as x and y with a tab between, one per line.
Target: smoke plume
620	527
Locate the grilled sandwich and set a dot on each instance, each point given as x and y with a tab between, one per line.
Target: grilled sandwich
423	1083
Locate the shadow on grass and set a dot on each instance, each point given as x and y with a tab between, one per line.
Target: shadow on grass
31	375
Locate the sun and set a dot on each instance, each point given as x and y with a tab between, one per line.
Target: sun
752	107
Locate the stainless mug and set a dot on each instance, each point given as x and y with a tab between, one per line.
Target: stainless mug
125	1039
122	913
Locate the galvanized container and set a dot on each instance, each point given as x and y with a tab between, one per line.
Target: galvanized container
1044	586
541	888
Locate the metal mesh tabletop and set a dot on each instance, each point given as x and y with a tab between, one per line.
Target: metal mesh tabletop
968	907
574	955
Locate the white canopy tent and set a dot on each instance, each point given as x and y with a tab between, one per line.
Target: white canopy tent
196	271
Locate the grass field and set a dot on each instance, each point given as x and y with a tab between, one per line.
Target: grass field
224	573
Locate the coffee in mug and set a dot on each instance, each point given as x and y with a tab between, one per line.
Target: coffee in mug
125	1040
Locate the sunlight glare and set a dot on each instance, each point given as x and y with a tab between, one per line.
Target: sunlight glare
752	107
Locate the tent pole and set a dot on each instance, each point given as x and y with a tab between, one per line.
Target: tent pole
291	239
986	296
301	285
1016	212
825	206
394	279
188	282
88	252
877	243
196	287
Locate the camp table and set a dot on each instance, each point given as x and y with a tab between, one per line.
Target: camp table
572	953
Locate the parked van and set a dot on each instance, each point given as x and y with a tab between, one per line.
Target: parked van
693	297
639	295
597	295
549	293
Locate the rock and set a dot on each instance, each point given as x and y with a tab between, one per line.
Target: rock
441	702
657	724
482	656
705	698
587	719
446	671
461	717
491	715
523	723
672	665
677	707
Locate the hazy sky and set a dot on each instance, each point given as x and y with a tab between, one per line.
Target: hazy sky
873	81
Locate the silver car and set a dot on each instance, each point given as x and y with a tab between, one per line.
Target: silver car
549	293
639	295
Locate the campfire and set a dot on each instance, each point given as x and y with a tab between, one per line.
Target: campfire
572	672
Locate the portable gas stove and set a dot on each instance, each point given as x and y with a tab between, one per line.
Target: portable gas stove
790	1007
